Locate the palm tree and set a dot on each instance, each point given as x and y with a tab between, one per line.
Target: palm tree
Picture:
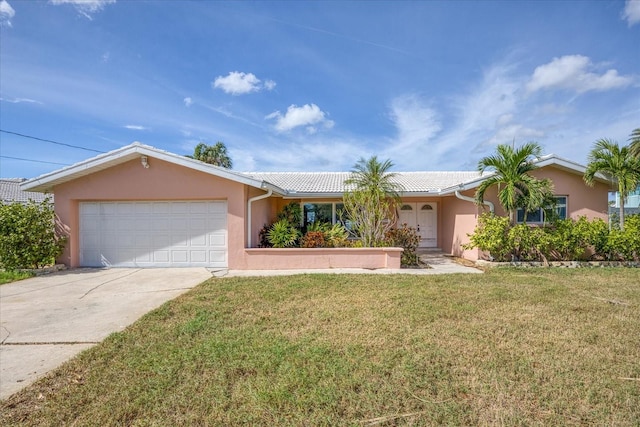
616	164
370	206
374	177
634	145
516	188
212	154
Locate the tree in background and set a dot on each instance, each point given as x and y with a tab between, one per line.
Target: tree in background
370	205
634	143
516	188
213	154
617	164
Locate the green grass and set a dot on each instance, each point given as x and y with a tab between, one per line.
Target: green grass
13	276
509	347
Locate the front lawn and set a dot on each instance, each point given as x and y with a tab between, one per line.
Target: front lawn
13	276
509	347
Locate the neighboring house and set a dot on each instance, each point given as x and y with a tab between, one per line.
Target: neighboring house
631	205
144	207
10	192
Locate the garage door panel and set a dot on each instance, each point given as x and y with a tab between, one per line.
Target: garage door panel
148	234
218	256
217	239
198	240
198	256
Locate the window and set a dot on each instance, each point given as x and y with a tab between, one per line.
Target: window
324	212
538	215
317	212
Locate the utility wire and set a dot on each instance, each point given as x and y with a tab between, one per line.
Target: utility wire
36	161
48	140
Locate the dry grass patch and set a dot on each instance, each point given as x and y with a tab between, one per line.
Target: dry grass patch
507	347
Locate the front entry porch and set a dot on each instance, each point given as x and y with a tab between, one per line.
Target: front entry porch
423	216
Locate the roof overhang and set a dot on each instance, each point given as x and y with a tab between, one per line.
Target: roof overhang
550	160
45	183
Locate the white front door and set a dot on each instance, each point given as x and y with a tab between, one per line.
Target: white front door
424	218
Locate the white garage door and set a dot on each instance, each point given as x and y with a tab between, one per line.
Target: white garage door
153	234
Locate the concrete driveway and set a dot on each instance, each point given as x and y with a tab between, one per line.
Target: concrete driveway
46	320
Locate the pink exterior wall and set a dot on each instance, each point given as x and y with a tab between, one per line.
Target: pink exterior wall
592	202
459	218
315	258
162	181
263	212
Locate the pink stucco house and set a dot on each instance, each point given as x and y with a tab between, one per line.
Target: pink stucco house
139	206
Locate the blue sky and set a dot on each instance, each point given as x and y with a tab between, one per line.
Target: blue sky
314	86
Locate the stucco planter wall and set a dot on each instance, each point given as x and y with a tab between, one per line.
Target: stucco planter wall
565	264
319	258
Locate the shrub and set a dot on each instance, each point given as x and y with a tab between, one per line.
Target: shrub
407	238
325	235
593	236
563	240
624	245
29	237
492	236
337	236
263	236
526	243
292	213
313	239
283	235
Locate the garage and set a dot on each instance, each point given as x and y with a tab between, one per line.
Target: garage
153	234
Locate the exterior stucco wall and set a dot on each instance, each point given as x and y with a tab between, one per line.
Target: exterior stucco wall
161	181
322	258
459	218
263	211
582	200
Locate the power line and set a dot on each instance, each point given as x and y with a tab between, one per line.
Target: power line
35	161
48	140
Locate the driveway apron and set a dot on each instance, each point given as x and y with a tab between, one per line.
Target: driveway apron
46	320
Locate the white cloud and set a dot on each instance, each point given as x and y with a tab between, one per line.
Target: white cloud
239	83
415	121
19	100
572	72
136	127
85	7
308	115
631	12
188	102
269	85
6	13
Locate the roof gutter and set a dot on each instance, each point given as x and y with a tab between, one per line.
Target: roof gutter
472	200
249	202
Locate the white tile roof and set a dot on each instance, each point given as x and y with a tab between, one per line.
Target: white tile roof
288	184
333	182
10	192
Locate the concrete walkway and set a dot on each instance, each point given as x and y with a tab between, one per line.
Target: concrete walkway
46	320
439	263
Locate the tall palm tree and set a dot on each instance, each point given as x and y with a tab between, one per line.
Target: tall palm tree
516	188
617	164
212	154
634	144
